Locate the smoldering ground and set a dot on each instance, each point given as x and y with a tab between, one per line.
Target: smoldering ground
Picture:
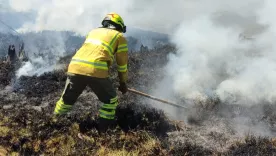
224	71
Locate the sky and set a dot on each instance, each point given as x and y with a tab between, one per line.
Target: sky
82	15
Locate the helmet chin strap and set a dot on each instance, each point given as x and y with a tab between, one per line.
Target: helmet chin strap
124	29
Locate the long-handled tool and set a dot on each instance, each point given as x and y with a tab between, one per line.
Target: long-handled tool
155	98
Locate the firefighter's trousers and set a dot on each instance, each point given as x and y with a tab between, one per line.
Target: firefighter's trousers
102	87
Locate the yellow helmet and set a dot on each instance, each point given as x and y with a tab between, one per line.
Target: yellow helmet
115	20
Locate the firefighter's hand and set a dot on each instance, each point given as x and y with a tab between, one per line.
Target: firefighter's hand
123	88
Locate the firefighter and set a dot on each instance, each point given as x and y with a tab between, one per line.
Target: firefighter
90	67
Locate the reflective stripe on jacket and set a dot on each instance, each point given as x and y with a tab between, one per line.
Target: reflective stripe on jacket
101	47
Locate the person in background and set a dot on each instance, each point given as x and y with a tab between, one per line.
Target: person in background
11	54
21	54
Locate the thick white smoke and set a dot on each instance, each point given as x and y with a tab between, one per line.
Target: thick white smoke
212	58
44	50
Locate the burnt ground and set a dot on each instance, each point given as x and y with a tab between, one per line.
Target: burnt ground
28	128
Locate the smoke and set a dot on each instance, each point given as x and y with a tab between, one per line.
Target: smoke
43	50
225	50
34	68
213	59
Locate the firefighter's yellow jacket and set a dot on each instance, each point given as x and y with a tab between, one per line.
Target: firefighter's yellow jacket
101	47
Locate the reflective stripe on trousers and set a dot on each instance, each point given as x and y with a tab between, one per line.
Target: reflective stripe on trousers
108	110
62	108
122	68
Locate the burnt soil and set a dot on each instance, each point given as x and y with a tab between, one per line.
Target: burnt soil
27	126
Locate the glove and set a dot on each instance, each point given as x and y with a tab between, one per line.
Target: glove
123	88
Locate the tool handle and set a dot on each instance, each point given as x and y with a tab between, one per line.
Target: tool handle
154	98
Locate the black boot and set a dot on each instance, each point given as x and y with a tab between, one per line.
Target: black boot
105	124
